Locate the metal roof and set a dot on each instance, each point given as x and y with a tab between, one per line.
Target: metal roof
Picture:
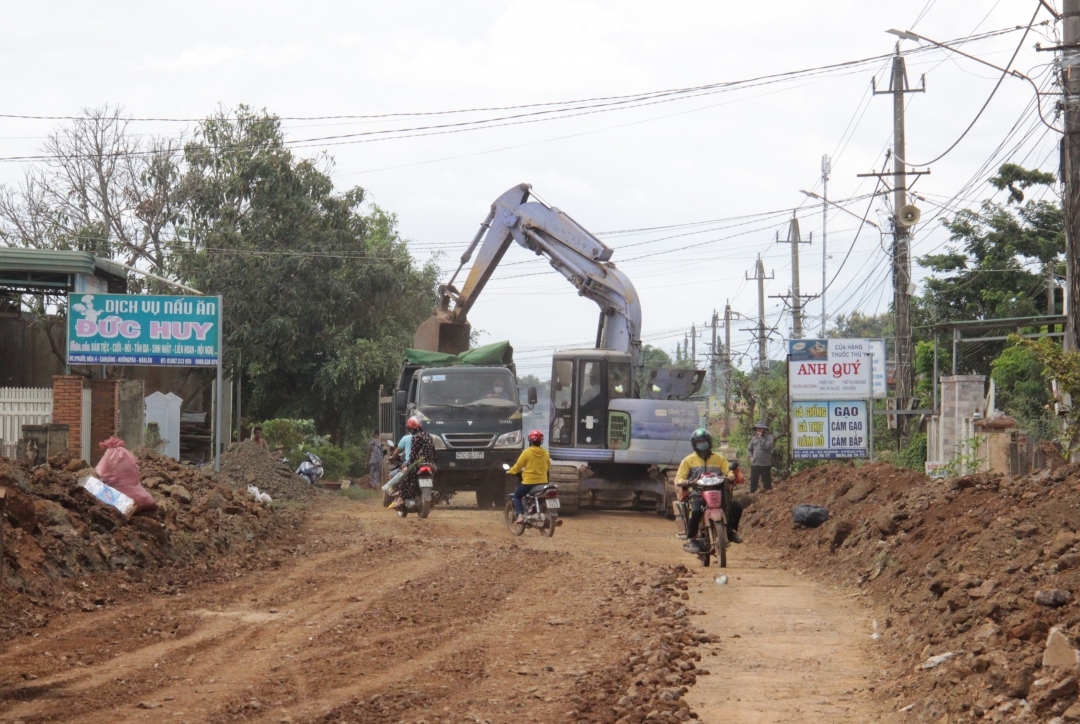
27	270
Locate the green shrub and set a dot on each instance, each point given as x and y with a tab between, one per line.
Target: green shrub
289	434
335	461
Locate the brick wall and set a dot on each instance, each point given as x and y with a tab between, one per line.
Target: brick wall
67	409
104	414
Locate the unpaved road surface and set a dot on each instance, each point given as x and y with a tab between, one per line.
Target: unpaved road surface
370	618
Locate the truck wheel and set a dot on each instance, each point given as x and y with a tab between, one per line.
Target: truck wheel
484	499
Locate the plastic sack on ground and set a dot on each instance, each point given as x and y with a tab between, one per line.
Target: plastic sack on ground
109	496
119	469
809	515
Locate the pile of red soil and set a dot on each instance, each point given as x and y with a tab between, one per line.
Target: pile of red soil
977	576
64	549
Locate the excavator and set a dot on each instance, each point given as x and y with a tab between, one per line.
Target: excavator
615	433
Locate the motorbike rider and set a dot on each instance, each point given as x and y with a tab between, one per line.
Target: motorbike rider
533	464
404	446
704	460
421	450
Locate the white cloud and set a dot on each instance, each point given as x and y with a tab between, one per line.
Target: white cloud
198	58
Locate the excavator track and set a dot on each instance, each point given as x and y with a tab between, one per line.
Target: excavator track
567	477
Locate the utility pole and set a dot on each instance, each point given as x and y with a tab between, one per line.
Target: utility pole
693	346
714	355
898	88
728	316
796	297
762	340
1070	162
826	169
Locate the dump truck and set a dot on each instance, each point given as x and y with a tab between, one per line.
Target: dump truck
469	404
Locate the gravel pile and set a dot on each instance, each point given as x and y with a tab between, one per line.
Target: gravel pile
248	464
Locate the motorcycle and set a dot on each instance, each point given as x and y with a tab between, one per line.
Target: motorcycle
540	507
429	497
311	469
714	491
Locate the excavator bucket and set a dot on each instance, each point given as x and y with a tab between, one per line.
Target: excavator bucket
436	335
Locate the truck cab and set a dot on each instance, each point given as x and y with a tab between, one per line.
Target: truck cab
474	418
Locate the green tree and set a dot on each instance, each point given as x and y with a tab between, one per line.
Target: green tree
321	298
651	358
1020	379
858	326
985	273
1062	367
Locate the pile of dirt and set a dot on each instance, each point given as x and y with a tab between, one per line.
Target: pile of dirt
977	577
57	535
248	464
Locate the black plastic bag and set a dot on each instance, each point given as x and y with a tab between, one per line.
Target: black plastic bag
809	515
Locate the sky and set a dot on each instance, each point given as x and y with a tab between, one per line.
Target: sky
736	159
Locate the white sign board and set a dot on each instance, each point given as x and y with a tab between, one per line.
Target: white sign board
828	430
836	369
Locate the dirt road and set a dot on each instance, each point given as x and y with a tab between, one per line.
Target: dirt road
369	618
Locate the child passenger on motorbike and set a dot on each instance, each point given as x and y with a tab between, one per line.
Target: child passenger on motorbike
704	460
533	464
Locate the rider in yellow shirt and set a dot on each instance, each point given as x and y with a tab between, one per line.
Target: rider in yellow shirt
704	460
533	464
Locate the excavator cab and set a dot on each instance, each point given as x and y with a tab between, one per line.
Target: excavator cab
583	382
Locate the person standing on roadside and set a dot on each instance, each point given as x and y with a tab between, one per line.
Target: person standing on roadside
760	449
258	439
375	461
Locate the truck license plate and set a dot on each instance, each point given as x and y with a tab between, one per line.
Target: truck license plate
470	455
553	503
425	482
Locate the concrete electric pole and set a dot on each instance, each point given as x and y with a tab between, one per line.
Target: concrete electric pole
1070	161
762	340
826	169
898	88
728	316
796	297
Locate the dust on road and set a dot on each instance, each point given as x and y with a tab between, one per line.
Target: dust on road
371	618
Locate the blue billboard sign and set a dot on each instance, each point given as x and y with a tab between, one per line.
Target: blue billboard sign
829	430
122	329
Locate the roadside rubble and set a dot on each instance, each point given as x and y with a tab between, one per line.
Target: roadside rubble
977	576
65	549
248	464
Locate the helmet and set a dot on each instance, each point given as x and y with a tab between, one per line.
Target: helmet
701	440
413	423
536	437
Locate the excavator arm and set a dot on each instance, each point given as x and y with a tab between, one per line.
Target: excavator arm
570	249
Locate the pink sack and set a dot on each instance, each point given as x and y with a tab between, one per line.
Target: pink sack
119	469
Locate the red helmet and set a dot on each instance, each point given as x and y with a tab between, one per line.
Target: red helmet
413	423
536	437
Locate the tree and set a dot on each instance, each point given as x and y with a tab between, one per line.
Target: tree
984	274
651	358
862	326
1062	367
1020	379
321	293
321	298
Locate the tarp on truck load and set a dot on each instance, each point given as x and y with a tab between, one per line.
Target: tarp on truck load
499	353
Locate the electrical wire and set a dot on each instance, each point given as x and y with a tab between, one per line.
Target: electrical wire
989	98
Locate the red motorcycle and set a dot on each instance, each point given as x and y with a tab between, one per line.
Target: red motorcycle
712	491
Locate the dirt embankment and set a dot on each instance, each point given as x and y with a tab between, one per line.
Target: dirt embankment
65	550
976	576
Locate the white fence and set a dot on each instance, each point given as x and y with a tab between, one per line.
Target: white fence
22	406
